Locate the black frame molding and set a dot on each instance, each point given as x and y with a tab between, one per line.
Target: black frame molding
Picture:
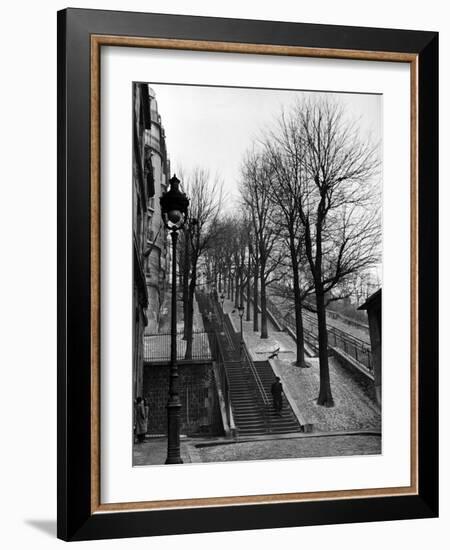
75	518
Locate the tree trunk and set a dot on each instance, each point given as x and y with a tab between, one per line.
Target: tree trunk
236	290
300	362
325	398
248	318
190	312
186	269
255	300
300	340
241	287
264	332
215	278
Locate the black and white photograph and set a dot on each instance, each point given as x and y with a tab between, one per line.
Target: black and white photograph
224	247
257	274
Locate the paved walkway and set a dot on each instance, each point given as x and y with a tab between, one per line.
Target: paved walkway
354	409
358	332
154	451
193	450
301	447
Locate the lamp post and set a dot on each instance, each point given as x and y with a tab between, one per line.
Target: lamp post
241	314
174	207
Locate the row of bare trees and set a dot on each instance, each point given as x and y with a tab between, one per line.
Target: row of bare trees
200	231
308	220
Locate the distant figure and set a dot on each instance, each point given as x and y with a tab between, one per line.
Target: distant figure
274	354
277	395
140	420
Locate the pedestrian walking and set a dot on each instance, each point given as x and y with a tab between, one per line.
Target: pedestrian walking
277	395
141	420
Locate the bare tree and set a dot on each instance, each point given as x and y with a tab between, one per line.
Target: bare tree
205	202
255	191
338	205
284	153
325	193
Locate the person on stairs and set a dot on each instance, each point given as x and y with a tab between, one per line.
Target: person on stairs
277	395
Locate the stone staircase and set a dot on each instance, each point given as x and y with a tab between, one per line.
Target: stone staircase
249	383
288	422
250	417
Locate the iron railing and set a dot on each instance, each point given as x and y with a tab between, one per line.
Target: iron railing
357	349
211	316
157	346
254	380
224	381
241	354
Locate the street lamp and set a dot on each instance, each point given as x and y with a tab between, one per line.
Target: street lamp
241	310
174	207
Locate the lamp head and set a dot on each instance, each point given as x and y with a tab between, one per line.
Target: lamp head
174	206
174	216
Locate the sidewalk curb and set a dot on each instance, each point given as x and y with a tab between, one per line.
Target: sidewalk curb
295	435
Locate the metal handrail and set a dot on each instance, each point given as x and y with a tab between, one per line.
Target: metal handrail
245	356
343	334
349	344
205	302
225	383
360	350
259	391
245	359
254	372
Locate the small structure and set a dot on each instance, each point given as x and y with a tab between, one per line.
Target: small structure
373	307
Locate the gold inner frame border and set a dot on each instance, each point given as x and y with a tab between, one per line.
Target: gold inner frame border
97	41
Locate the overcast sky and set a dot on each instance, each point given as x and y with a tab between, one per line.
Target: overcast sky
212	127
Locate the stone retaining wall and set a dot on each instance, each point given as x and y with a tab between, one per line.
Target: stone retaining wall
200	410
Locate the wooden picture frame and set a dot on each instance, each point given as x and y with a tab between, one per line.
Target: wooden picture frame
81	35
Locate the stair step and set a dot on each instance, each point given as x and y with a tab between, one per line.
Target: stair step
250	423
248	419
243	399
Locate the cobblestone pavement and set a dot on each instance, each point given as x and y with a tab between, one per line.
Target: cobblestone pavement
354	408
154	450
303	447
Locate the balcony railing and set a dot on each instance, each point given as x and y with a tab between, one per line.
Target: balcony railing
157	346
